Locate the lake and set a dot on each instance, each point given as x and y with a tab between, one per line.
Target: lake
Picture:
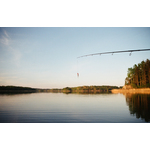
74	108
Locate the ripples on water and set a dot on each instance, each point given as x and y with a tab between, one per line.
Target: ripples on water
74	108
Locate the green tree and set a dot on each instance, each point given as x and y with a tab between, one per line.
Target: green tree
143	73
139	75
147	64
136	75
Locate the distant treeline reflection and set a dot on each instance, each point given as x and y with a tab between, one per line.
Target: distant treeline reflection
139	105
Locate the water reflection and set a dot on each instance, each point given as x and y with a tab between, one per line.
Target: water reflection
73	108
139	105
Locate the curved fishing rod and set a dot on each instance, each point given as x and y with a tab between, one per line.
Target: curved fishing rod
128	51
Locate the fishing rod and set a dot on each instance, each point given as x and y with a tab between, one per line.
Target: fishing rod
125	51
128	51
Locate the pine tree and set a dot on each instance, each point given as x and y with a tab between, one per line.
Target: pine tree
139	75
143	73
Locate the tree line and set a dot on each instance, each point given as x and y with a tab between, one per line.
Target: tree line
17	89
20	89
138	76
89	89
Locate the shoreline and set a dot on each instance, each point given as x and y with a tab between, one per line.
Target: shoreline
140	91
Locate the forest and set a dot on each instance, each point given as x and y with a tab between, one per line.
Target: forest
80	89
138	76
20	89
89	89
17	89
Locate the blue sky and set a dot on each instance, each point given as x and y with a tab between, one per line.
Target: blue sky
47	57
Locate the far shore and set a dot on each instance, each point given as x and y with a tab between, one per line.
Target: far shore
81	89
140	90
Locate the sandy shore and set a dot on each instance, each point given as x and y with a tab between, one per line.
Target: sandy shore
142	91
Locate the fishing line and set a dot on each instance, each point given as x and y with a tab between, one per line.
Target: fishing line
77	69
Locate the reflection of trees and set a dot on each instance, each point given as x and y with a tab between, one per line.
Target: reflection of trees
139	104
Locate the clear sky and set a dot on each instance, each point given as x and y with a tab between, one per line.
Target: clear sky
47	57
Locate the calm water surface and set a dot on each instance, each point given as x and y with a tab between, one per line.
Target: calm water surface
74	108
